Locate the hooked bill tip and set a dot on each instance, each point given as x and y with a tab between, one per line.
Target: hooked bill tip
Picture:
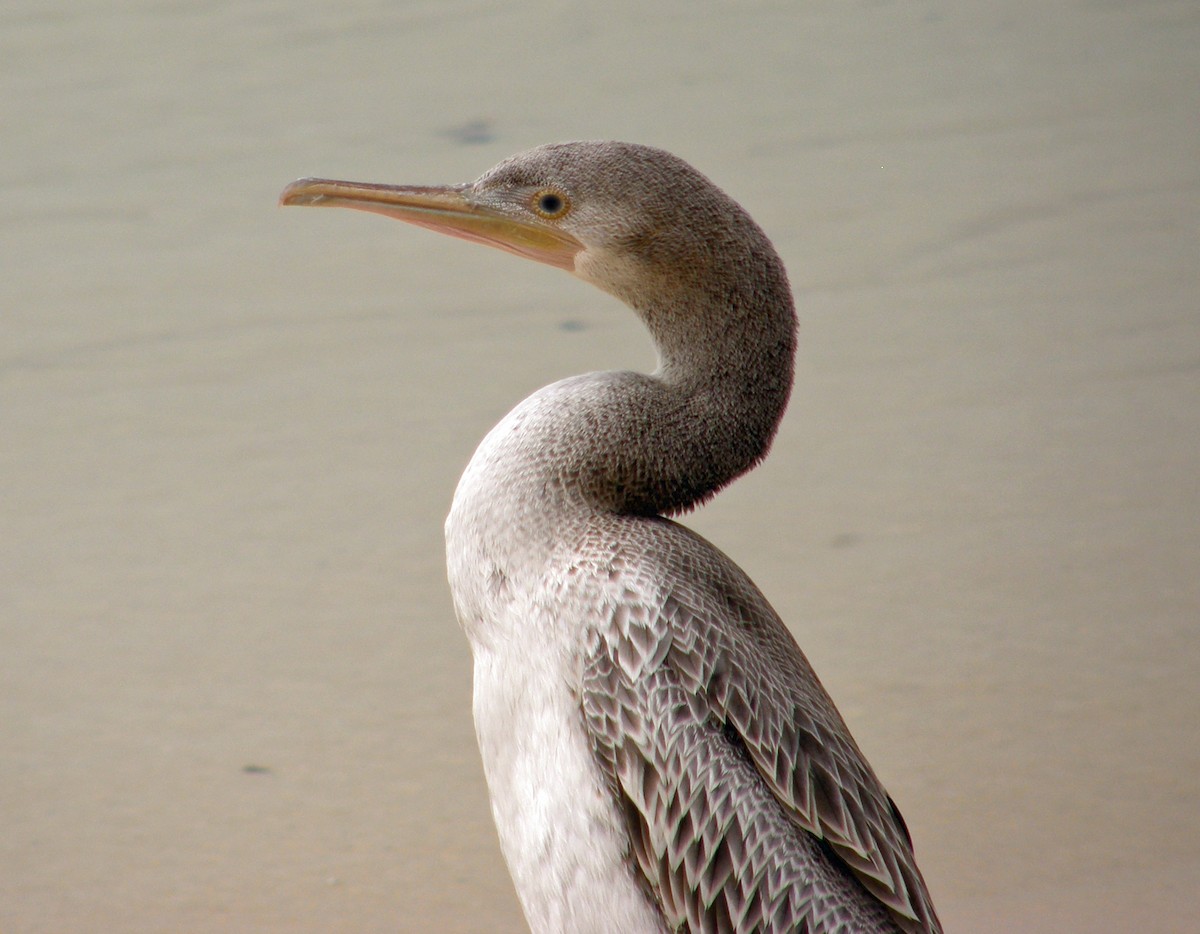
301	192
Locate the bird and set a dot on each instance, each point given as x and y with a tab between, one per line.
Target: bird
660	755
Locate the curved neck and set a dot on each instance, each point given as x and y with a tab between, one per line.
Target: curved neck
663	443
624	443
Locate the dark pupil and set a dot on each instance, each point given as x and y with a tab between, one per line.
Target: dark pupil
551	204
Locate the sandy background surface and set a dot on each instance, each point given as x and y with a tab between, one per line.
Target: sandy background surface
232	693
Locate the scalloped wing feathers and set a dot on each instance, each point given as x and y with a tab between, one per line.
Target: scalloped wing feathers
748	803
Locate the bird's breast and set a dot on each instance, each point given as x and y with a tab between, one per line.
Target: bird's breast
557	820
511	557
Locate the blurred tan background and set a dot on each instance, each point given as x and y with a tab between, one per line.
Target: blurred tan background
233	696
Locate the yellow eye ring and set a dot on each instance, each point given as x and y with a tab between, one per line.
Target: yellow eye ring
551	204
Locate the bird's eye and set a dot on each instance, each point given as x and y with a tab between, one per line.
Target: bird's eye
550	204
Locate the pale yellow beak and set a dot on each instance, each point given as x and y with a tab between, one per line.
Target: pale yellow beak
447	209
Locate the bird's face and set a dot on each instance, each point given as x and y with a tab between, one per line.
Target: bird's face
607	212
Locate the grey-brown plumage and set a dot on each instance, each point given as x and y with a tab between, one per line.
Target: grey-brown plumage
660	754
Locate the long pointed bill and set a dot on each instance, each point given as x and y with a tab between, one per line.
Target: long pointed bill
446	209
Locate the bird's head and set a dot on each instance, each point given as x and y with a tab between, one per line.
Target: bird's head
635	221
